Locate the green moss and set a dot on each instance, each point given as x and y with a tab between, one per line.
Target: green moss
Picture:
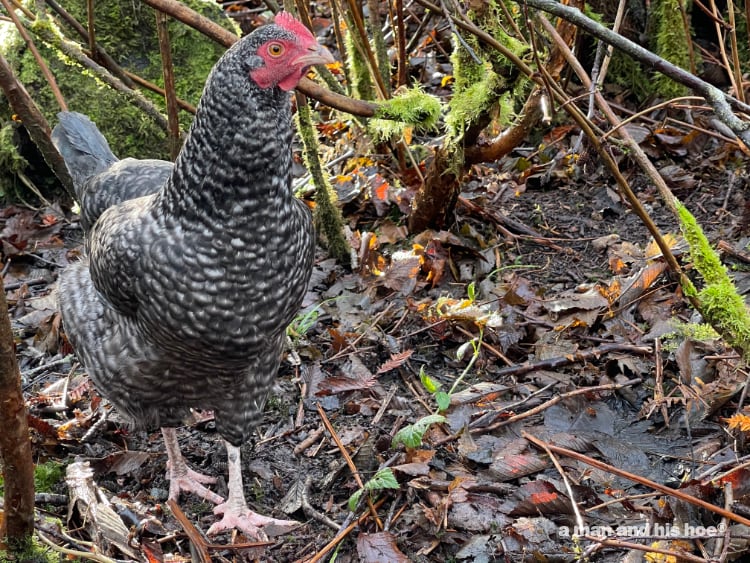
362	86
327	216
412	108
32	552
127	31
671	43
11	161
628	73
726	310
701	332
742	46
47	475
721	304
375	31
479	85
471	101
705	258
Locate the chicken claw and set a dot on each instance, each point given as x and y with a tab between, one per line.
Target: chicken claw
236	513
181	477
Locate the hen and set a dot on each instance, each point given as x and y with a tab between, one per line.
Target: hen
194	270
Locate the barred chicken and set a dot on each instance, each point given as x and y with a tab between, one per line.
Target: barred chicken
192	271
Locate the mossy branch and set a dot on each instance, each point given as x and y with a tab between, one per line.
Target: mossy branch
720	303
34	122
361	86
48	33
672	44
328	218
412	108
381	50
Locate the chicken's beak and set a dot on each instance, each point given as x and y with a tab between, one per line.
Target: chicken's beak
318	55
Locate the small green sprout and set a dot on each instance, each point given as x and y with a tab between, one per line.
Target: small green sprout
411	436
383	479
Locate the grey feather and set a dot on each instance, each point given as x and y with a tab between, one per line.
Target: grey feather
193	271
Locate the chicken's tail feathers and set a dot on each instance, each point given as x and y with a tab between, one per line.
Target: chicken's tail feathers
82	146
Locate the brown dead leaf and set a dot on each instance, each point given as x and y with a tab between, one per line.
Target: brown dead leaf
677	177
395	361
152	550
44	428
435	257
509	467
401	274
338	341
540	497
47	337
390	233
25	230
361	378
636	285
590	300
413	469
378	548
121	463
340	384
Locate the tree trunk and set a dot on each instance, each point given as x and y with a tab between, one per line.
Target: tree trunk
434	203
15	446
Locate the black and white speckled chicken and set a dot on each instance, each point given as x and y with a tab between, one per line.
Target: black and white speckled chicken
194	270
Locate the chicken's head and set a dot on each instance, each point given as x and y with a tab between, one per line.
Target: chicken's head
288	55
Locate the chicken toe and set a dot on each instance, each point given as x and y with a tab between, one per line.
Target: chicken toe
237	515
181	477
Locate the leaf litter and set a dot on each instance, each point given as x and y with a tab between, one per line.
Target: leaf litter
437	359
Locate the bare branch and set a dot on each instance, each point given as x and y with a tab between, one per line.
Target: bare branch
721	102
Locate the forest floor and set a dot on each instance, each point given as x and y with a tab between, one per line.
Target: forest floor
530	384
543	318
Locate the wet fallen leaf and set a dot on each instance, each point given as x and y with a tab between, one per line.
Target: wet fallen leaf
378	548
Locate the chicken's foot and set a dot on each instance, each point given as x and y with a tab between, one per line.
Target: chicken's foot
236	513
181	477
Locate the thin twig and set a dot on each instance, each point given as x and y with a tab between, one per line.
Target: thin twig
544	406
720	101
651	548
676	493
359	23
352	346
75	553
167	68
195	537
101	55
402	61
349	461
736	65
649	110
340	537
91	28
455	32
571	495
154	88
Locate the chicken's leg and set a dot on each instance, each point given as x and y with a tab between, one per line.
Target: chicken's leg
236	512
181	477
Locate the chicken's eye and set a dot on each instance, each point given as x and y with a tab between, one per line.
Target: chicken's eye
275	49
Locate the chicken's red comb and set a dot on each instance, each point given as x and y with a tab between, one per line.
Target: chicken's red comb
290	23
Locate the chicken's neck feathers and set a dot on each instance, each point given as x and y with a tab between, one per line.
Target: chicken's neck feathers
237	156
